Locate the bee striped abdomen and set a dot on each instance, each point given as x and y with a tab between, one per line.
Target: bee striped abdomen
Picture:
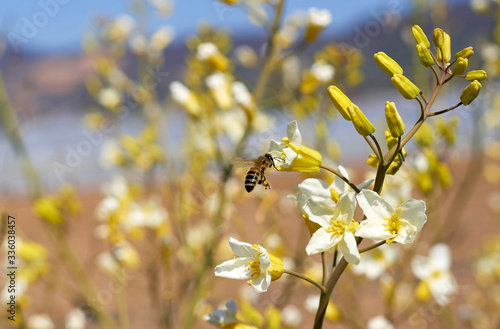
251	178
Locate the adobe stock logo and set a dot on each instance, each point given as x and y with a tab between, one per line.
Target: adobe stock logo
30	26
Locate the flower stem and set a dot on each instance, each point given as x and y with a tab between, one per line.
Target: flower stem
345	179
444	111
373	246
305	278
323	264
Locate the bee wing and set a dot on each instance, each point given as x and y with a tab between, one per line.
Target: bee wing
242	162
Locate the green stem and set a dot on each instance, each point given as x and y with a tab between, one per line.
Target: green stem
305	278
345	179
373	246
323	264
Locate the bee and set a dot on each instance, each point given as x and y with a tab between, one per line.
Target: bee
256	173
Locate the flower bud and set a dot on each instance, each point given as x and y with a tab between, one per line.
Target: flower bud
394	122
276	268
470	92
387	64
420	36
438	37
444	175
406	88
316	21
363	126
460	66
340	101
372	161
444	52
465	53
476	75
424	55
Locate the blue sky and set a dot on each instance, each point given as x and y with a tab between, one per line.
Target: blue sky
61	23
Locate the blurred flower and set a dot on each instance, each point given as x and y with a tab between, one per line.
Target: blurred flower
375	262
379	322
106	262
316	21
312	302
246	56
291	316
75	319
386	223
126	254
291	155
338	230
323	71
110	98
226	318
253	264
242	96
434	271
220	90
164	7
161	39
40	321
138	43
120	28
185	97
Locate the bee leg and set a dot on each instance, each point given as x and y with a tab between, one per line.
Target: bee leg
266	185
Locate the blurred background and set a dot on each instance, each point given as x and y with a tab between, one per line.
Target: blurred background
119	126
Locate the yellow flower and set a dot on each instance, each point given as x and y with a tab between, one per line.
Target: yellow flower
47	209
291	155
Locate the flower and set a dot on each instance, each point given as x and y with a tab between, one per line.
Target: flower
375	262
291	155
386	223
75	319
434	271
40	321
254	264
291	316
337	230
226	318
379	322
316	21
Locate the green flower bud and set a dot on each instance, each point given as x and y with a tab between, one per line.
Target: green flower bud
476	75
394	122
460	66
420	36
444	53
438	37
406	88
387	64
424	55
340	101
470	92
363	126
465	53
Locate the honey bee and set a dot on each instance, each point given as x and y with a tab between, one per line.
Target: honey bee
255	174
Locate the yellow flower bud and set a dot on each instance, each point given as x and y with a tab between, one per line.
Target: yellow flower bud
406	88
460	66
389	139
394	121
307	160
424	182
476	75
340	101
420	36
230	2
470	92
316	21
332	312
444	175
423	292
438	37
46	208
424	55
372	161
425	135
363	126
387	64
276	268
465	53
444	52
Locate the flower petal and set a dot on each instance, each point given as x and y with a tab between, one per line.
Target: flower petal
242	249
293	133
316	187
414	212
349	248
374	229
406	233
234	269
261	283
319	210
344	210
265	262
321	241
440	257
420	267
374	206
338	184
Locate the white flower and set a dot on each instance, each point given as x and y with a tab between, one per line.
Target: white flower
435	272
375	262
40	321
318	17
311	303
205	50
161	38
252	264
322	71
149	214
246	56
111	153
75	319
110	98
241	94
386	223
337	230
379	322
